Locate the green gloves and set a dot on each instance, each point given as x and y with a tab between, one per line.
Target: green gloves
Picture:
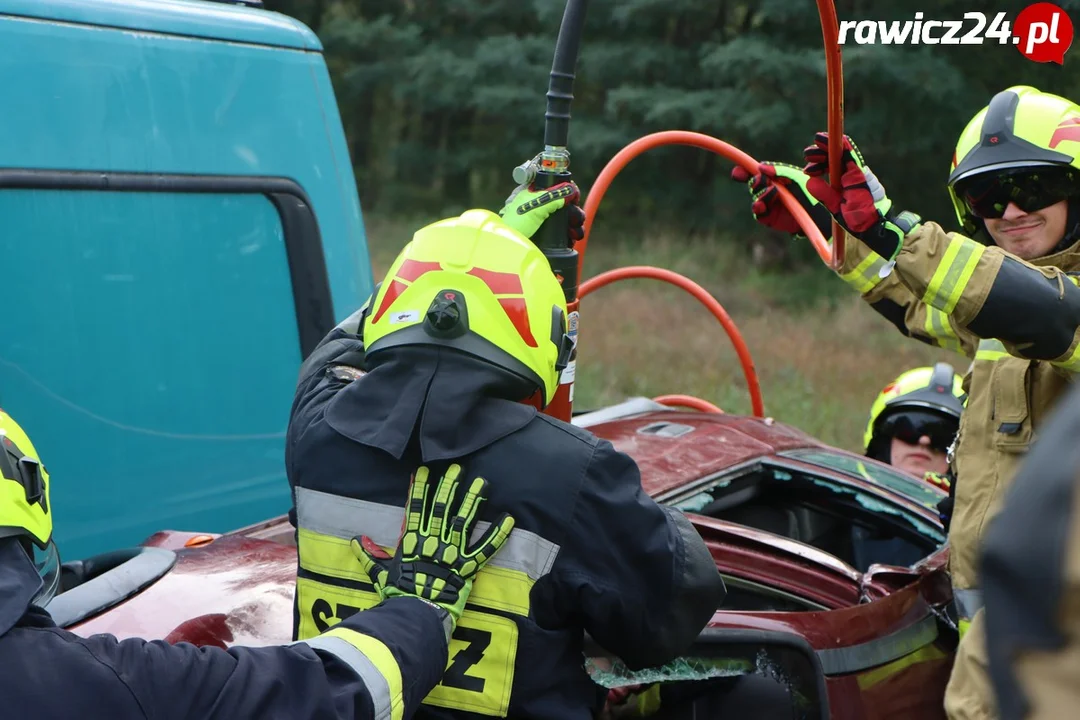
769	209
432	561
861	206
527	208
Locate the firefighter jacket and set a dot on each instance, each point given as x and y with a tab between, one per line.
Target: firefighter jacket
376	666
590	551
1017	321
1031	576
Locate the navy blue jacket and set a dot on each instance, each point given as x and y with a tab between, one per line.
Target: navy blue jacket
590	551
49	673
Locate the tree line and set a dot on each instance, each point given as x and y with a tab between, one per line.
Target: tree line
442	98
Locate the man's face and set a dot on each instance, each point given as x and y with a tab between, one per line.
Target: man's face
1029	235
919	458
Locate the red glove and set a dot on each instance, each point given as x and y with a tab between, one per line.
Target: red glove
769	209
860	206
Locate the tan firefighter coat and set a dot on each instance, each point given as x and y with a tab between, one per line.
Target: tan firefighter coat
1020	324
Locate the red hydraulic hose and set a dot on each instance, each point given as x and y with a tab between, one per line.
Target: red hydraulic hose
703	296
830	29
707	142
688	401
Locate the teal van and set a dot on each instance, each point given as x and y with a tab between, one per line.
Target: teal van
180	226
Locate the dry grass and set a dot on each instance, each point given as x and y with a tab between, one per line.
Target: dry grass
820	353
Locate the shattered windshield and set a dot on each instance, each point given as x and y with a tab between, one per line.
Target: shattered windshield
694	683
911	488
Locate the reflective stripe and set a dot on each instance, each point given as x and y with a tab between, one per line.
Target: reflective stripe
994	350
1071	363
968	602
953	274
648	702
991	349
343	518
372	661
876	676
322	605
872	653
866	275
940	329
326	523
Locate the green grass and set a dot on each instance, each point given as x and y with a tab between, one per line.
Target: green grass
821	354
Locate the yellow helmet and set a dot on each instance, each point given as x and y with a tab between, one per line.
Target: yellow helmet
922	401
473	284
1021	130
25	511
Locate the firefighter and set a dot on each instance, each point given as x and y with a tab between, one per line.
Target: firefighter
1031	575
1004	294
459	347
377	664
913	421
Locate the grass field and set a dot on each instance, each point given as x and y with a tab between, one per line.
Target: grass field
821	354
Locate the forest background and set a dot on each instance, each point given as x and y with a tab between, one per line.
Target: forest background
442	98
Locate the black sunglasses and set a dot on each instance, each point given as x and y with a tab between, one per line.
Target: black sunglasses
987	196
911	425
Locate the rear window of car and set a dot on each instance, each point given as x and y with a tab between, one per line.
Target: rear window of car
912	488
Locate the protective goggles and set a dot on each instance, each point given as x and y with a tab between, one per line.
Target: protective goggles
987	196
911	425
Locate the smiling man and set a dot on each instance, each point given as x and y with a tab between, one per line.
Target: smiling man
1004	293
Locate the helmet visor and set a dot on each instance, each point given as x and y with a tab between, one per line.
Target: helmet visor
987	195
47	563
912	425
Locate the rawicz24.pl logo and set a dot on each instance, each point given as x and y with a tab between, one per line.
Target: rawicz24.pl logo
1042	32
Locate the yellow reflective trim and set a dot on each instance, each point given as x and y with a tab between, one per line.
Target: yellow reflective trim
383	660
953	273
498	588
502	589
991	350
328	555
482	655
344	517
866	275
963	626
648	702
974	252
480	673
1071	363
321	605
939	328
941	273
927	653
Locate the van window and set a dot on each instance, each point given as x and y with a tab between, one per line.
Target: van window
149	346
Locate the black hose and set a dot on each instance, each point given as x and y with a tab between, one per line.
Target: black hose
561	84
553	238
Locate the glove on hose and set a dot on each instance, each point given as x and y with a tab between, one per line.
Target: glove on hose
769	209
861	206
527	208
